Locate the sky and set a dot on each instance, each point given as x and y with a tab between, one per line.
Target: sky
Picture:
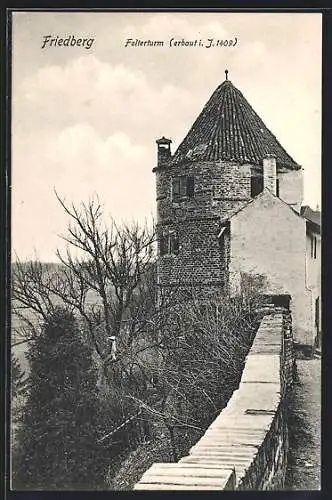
85	120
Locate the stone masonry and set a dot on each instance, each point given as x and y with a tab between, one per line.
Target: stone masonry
219	189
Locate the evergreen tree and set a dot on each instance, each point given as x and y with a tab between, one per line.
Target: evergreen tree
18	391
58	440
18	379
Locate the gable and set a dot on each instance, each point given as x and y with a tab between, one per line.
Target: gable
264	202
269	238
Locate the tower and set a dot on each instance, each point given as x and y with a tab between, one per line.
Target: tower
227	158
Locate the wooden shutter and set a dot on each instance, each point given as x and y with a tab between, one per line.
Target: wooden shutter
175	187
163	245
190	186
174	243
183	186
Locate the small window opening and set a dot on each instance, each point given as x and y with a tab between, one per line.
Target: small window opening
256	184
169	243
313	241
182	187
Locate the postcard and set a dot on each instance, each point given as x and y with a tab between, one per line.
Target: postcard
165	250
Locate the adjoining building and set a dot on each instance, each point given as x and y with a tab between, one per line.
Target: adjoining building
229	203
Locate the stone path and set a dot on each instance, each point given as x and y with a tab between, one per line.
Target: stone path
305	428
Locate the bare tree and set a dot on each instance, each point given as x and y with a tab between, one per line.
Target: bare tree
106	277
201	359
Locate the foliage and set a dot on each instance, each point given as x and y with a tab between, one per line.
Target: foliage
58	439
18	379
200	361
19	391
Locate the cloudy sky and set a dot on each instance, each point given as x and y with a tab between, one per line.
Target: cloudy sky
85	121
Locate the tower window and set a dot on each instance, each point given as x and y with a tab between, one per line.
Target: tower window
313	240
182	187
173	243
169	243
256	185
163	245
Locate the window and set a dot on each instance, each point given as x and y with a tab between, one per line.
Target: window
277	188
169	243
182	187
317	312
256	185
163	245
313	246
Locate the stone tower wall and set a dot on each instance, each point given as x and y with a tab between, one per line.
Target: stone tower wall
219	189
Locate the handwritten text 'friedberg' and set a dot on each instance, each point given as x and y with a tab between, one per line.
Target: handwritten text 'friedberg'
181	42
67	41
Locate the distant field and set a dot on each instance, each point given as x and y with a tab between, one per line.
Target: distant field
20	352
17	324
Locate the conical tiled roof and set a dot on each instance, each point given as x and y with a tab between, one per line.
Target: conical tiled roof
228	129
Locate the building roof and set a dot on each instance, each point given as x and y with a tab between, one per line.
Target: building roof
266	191
228	129
311	215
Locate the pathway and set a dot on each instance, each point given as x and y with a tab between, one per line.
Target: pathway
305	427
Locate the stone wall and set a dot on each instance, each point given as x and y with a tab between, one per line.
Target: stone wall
200	258
246	446
219	189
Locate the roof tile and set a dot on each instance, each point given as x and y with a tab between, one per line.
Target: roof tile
228	129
